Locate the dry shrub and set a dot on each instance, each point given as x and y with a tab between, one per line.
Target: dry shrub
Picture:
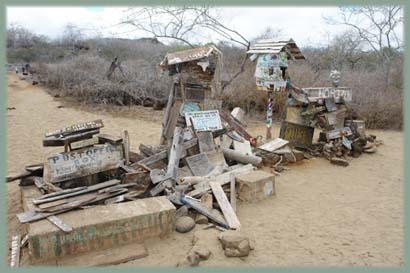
83	77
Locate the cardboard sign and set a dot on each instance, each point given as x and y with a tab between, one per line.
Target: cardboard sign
84	162
204	120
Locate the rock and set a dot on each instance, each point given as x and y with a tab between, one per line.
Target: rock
201	219
184	224
279	168
234	244
307	155
339	161
193	259
182	211
34	82
202	252
369	145
299	156
370	150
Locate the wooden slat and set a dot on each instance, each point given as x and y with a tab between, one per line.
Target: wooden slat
15	250
75	128
201	208
60	224
53	141
126	145
225	206
106	138
76	193
223	179
83	143
233	192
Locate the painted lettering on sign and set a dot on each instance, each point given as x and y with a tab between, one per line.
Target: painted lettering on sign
298	135
84	162
204	120
329	92
95	124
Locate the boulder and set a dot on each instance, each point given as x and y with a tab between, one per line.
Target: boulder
184	224
234	244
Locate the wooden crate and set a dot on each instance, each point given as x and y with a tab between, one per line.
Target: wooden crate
255	186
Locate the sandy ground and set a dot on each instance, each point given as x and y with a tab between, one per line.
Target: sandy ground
322	215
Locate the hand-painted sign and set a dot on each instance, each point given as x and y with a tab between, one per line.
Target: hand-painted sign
204	120
298	135
339	93
83	162
75	128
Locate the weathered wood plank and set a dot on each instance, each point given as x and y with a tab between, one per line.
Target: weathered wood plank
126	145
107	138
199	164
225	206
84	162
205	141
53	141
76	193
233	192
201	208
60	224
83	143
15	250
223	179
76	128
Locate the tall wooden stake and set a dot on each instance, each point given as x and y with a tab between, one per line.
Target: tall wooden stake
269	116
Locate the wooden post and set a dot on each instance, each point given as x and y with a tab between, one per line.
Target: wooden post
126	144
269	116
233	193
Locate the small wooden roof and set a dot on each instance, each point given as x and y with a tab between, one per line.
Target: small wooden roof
189	55
269	46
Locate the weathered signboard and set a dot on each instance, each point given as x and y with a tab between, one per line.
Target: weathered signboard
338	133
204	120
83	143
76	128
298	135
339	94
83	162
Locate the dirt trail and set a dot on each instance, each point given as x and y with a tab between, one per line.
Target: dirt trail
322	215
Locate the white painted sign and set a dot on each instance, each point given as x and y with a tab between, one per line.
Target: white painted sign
204	120
338	93
79	163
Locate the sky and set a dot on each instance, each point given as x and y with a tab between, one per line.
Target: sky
304	24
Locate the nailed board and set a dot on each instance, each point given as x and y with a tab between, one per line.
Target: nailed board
225	206
76	128
52	141
199	164
205	141
339	133
60	224
15	250
83	143
298	135
273	145
204	120
80	163
339	94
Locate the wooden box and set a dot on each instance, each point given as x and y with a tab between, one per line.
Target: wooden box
255	186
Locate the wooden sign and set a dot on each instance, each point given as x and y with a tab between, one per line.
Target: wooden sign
339	94
83	162
298	135
75	128
83	143
338	133
204	120
273	144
